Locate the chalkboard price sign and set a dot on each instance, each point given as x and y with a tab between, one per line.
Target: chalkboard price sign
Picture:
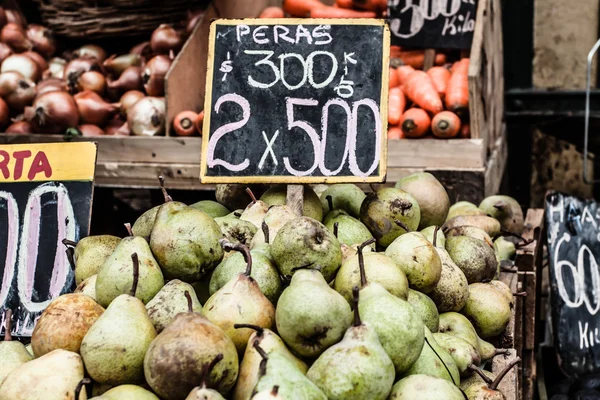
440	24
296	101
574	250
45	197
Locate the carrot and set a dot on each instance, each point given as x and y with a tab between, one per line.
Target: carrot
301	8
396	105
457	92
344	3
420	90
394	80
395	51
439	76
403	72
416	58
199	121
183	124
332	12
415	123
445	125
394	132
370	5
465	131
272	12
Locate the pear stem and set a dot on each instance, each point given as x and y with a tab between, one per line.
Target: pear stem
81	385
524	242
435	232
71	257
259	330
265	229
136	274
336	226
189	301
275	390
402	225
260	350
478	371
440	358
499	206
329	202
161	181
69	243
357	321
249	191
208	369
228	246
361	261
128	227
503	373
7	325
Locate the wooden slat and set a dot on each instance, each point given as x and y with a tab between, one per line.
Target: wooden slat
496	166
509	386
452	153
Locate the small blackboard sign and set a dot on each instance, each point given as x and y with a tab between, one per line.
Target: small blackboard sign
296	101
437	24
45	196
573	251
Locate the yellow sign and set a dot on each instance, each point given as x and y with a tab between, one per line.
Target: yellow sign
47	162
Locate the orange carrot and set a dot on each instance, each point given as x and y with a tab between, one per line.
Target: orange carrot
344	3
465	131
439	76
183	124
415	123
416	58
199	121
332	12
457	92
272	12
395	51
370	5
394	80
445	125
420	90
394	132
301	8
396	105
403	72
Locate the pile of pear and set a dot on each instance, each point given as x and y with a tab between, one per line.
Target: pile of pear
387	295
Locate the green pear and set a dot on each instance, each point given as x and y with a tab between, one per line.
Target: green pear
275	218
53	376
464	353
424	387
202	392
235	196
476	378
425	308
29	349
504	289
458	325
490	225
255	211
487	389
471	231
116	274
268	394
435	361
418	259
12	353
250	365
201	287
127	392
306	243
344	196
211	208
170	301
440	237
311	316
346	229
312	208
185	242
236	230
113	348
99	389
88	287
64	323
382	210
488	309
264	273
452	290
143	225
506	210
463	208
90	253
474	257
357	367
487	351
505	249
430	194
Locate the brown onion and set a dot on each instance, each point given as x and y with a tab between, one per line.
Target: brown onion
50	85
147	117
193	18
129	99
5	51
17	91
117	127
91	50
86	130
23	65
77	66
56	68
130	79
93	109
53	112
154	75
142	49
92	80
20	128
16	17
42	39
39	60
15	36
4	114
164	39
116	65
2	16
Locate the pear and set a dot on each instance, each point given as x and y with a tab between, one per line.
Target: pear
264	273
505	290
202	392
113	349
64	323
250	365
310	315
383	209
452	290
474	257
99	389
127	392
306	243
380	267
477	378
212	208
418	259
440	237
185	242
90	253
487	351
434	360
490	225
272	394
170	301
277	194
506	210
201	288
488	389
463	208
12	353
458	325
471	231
28	348
344	196
176	360
346	229
236	230
278	370
255	211
464	353
430	194
143	225
88	287
399	328
425	308
424	387
275	218
488	309
505	249
320	188
235	196
357	367
239	301
53	376
115	275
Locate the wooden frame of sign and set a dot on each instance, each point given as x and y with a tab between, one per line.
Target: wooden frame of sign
209	128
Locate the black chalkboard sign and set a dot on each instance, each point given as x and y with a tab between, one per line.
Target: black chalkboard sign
438	24
573	251
296	101
45	196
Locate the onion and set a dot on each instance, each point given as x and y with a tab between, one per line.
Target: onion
130	79
93	109
142	49
16	17
56	68
4	114
17	91
23	65
90	130
116	65
91	50
129	99
116	127
42	39
50	85
2	17
164	39
147	117
92	80
20	128
77	66
39	60
53	112
192	19
154	75
5	51
15	36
